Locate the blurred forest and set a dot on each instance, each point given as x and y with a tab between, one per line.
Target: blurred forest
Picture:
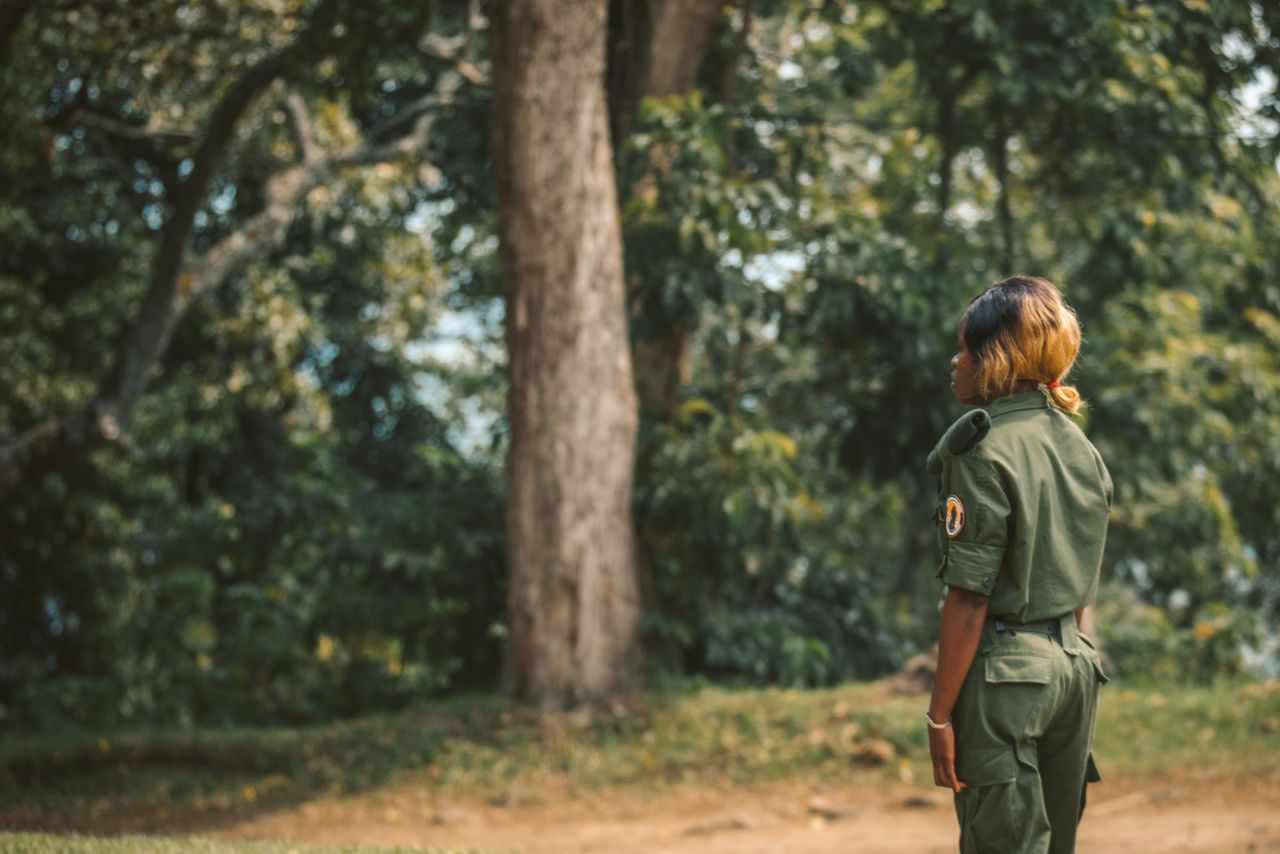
253	417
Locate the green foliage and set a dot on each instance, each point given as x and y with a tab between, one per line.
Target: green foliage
763	587
282	537
768	646
306	521
1143	643
890	189
1138	639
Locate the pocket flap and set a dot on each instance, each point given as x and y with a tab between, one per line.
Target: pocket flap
1097	665
1019	668
1095	658
987	767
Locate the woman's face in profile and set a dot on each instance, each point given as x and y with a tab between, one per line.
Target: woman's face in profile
964	377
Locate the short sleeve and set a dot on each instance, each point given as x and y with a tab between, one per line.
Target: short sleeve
1108	487
975	523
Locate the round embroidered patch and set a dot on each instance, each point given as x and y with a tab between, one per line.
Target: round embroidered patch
955	516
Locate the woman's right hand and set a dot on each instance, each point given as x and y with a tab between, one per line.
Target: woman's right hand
963	614
942	748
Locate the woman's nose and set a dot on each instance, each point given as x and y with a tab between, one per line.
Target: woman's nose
955	359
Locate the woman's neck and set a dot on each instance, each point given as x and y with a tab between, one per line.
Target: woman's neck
1024	385
1019	387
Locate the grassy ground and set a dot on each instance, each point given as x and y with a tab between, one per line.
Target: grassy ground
486	747
47	843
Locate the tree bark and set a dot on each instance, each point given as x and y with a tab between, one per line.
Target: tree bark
655	47
626	65
573	601
682	33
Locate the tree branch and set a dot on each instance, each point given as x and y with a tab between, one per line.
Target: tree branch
178	279
107	417
114	127
287	189
454	50
163	149
301	123
148	337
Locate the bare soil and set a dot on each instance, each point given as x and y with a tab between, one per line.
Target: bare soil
1202	813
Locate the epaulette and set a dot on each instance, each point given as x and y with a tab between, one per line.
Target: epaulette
962	436
967	431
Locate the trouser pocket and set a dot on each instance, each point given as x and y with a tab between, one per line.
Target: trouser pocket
997	719
998	707
1002	811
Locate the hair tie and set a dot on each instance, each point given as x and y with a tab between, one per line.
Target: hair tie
1052	384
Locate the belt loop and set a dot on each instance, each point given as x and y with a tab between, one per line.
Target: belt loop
1070	632
988	636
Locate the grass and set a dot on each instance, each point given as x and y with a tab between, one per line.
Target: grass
47	843
1232	727
486	747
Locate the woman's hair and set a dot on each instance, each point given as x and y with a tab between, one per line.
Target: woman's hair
1020	329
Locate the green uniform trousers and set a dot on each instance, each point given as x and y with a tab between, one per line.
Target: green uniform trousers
1024	725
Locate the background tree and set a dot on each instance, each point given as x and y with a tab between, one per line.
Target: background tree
574	602
245	548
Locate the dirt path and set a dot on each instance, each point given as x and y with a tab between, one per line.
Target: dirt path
1140	816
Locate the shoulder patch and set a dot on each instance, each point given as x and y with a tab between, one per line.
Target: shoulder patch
968	430
955	516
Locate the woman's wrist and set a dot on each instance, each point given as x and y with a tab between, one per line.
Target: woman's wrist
939	711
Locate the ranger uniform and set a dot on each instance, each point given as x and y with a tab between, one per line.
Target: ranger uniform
1023	500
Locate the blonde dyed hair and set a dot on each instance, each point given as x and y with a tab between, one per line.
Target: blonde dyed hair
1022	329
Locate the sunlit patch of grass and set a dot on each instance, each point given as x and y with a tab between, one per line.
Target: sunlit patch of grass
1231	726
720	733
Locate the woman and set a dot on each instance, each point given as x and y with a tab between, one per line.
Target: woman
1023	499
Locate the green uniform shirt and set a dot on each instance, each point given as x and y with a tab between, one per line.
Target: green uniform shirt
1023	500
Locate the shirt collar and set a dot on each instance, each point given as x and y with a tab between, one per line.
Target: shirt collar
1037	398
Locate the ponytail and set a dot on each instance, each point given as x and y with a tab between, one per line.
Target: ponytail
1065	397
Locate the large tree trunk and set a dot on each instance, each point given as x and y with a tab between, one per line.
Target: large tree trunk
656	49
573	602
